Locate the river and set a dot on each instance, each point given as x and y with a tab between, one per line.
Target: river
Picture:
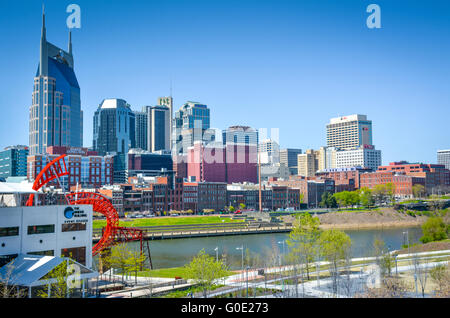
178	252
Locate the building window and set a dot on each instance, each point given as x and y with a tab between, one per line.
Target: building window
71	227
9	231
44	253
41	229
76	253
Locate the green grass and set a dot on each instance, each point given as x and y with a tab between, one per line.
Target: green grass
98	224
169	272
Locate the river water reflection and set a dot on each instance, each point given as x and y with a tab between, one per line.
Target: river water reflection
178	252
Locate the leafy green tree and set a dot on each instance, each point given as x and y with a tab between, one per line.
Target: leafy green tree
231	209
383	258
418	190
204	270
242	206
303	240
61	287
335	248
135	262
119	258
328	200
366	197
434	229
342	198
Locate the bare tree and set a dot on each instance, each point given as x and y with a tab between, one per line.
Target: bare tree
440	275
7	287
390	288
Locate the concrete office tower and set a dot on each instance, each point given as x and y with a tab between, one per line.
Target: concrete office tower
168	101
365	156
114	127
349	132
307	163
191	124
269	151
158	128
141	126
443	158
55	116
288	157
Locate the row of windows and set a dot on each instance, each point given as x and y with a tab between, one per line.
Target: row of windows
42	229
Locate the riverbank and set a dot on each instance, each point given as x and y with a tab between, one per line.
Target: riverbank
381	218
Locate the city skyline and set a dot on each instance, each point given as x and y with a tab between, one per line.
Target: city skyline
265	83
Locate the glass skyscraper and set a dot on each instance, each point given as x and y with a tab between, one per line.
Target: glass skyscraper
191	123
55	117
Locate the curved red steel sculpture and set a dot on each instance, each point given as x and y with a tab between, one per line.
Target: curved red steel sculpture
54	169
112	233
102	205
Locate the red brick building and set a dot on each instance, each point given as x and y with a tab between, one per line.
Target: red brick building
435	175
403	183
85	167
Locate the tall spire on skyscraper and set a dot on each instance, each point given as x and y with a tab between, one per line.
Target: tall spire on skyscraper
43	47
70	42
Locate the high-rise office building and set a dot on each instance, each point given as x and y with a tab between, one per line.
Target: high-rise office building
158	128
365	156
55	117
269	151
168	101
443	158
141	127
288	157
13	161
240	135
114	127
308	163
349	132
191	124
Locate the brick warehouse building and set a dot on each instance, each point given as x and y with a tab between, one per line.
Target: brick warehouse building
435	175
403	183
86	168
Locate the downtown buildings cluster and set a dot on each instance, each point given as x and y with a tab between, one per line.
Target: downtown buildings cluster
157	159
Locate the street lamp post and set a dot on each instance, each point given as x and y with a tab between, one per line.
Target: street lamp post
247	268
281	263
242	250
217	253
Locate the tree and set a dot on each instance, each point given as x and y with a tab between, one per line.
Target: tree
134	262
366	197
390	191
119	258
334	247
204	270
303	240
328	200
63	286
242	206
7	288
434	229
231	209
418	190
384	260
440	275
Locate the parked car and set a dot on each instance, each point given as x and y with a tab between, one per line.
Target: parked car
174	214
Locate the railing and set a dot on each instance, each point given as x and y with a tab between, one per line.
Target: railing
183	233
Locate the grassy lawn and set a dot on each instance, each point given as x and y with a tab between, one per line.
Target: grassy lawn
98	224
169	272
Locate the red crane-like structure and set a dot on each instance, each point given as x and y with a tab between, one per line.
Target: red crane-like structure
112	233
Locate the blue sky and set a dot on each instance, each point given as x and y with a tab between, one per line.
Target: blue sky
291	65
